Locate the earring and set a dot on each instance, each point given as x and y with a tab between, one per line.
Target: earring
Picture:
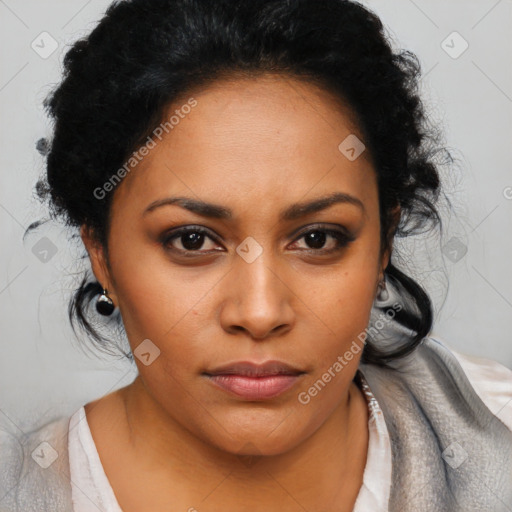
383	293
105	305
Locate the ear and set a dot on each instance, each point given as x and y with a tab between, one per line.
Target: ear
98	260
386	256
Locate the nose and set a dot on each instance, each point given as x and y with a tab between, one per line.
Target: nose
258	299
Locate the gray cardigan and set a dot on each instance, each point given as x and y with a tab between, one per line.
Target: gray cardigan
450	453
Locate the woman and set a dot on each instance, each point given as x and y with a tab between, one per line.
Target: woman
238	171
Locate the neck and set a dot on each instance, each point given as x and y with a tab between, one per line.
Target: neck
326	466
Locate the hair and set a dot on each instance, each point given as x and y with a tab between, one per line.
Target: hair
144	55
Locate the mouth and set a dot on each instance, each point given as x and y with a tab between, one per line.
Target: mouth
253	381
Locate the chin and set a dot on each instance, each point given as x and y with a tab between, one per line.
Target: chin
267	438
259	445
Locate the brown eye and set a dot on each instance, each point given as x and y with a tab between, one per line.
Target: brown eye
316	239
191	239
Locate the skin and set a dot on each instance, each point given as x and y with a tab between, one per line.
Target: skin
171	440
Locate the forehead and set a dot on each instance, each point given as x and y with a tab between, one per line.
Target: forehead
243	140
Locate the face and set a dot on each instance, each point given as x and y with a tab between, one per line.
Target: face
255	278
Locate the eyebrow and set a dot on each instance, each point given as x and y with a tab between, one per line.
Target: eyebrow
293	212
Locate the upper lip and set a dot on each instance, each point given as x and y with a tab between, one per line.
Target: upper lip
252	369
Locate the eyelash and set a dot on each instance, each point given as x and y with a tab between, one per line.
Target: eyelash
343	239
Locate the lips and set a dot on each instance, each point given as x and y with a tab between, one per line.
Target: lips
252	381
252	369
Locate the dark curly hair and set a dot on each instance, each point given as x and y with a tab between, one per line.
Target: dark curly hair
145	54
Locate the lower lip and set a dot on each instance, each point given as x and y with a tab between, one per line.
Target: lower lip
255	388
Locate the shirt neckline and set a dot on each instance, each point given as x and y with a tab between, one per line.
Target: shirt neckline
86	466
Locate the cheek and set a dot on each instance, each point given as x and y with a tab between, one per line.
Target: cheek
160	303
337	353
344	301
154	296
353	299
168	321
346	315
349	294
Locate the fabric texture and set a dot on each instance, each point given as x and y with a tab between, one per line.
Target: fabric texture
450	453
34	469
493	384
434	444
90	488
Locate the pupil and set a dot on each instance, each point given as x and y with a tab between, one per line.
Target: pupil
192	240
316	238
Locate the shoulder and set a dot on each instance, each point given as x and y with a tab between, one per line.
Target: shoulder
439	377
491	381
35	464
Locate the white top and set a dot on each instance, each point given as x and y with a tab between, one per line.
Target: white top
91	490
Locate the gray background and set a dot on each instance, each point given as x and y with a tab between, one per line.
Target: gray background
43	370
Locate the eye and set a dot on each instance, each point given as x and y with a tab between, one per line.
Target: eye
317	237
191	239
